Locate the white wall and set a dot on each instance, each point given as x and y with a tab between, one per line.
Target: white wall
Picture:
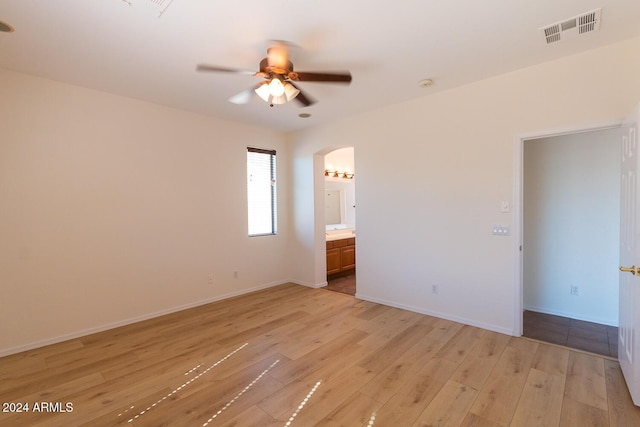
453	160
341	159
113	209
572	225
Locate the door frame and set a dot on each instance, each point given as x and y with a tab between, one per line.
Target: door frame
320	253
518	219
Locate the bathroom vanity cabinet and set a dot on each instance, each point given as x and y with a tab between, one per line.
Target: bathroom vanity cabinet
341	255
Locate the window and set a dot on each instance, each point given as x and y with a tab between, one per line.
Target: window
261	191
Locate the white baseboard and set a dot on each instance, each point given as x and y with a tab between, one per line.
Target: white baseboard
309	285
433	313
572	315
113	325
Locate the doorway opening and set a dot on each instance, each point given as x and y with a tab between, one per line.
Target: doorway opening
340	220
570	208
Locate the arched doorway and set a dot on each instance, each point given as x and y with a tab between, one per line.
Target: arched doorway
339	209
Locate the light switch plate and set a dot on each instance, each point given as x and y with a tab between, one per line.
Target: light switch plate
500	230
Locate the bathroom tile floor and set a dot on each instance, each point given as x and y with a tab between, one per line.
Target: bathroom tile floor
344	284
578	334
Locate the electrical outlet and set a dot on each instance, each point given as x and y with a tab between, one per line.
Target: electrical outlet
575	290
434	289
235	274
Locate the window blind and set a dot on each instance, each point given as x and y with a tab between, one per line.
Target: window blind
261	191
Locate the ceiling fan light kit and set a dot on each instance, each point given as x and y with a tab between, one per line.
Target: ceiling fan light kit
278	87
276	92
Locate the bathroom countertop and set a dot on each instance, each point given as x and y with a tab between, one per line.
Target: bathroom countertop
339	236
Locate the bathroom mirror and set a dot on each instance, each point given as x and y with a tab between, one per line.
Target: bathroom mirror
333	207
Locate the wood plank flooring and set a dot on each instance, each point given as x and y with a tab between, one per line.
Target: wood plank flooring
295	356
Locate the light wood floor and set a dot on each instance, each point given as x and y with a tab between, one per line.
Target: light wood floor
294	356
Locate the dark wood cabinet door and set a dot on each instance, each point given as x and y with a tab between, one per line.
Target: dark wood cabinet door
333	261
348	257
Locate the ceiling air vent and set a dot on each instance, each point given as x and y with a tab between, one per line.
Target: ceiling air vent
581	24
155	7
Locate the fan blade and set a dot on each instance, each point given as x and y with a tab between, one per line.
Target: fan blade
303	98
302	76
205	67
242	97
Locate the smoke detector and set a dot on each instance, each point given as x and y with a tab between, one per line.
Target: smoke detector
155	7
578	25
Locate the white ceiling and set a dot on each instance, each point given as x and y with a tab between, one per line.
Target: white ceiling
389	46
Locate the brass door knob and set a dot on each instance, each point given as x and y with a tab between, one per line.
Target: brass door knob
633	270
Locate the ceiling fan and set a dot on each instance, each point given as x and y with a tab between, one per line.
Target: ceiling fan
278	87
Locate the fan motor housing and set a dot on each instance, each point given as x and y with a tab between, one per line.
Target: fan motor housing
269	69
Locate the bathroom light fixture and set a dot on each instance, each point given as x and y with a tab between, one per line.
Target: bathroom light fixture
338	174
276	91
